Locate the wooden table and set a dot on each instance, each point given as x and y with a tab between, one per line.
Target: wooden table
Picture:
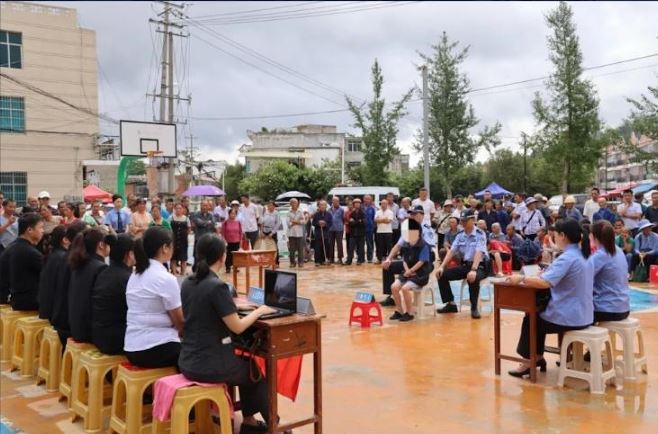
289	336
252	258
522	298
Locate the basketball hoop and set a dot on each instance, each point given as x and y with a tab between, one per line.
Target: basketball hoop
155	158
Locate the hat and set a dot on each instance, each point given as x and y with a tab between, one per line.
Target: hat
43	194
544	199
530	201
645	224
418	209
468	214
448	202
538	197
235	202
570	199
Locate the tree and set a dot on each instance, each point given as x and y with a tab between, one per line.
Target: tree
233	175
644	113
136	167
319	180
379	129
451	116
271	180
568	120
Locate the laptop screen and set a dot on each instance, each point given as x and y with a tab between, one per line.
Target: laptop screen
281	289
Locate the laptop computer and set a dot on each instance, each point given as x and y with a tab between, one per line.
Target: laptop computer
280	294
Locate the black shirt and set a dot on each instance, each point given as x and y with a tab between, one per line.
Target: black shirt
55	264
5	267
60	314
651	214
80	286
109	308
357	223
203	355
25	264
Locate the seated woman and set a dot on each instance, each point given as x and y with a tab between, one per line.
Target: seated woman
499	252
54	265
611	293
154	320
207	354
87	260
571	305
417	263
108	297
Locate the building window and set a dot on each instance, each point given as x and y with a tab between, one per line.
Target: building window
353	146
10	49
14	186
12	114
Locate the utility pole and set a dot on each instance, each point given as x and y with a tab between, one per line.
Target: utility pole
525	162
192	157
426	148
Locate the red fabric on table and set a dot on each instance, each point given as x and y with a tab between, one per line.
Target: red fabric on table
289	373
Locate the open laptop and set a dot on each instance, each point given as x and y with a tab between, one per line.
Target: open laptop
280	294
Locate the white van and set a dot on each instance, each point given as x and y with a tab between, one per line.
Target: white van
377	193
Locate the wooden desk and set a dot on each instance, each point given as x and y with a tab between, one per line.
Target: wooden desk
522	298
252	258
289	336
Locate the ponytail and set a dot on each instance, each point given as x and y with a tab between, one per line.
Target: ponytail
84	245
604	233
149	245
141	259
209	249
585	247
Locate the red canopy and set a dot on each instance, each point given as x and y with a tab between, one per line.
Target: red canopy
92	193
619	190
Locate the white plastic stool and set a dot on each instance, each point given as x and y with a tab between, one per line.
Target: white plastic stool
597	340
421	303
467	301
627	360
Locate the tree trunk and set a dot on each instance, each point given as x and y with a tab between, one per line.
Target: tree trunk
566	169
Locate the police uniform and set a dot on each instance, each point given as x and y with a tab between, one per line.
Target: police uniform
465	247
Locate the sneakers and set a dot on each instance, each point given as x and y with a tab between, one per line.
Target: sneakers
397	315
388	301
475	314
406	317
448	308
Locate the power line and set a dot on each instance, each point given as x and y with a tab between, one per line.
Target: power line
254	10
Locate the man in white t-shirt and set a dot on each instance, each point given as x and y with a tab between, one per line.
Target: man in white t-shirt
519	212
592	205
427	204
249	219
630	212
384	237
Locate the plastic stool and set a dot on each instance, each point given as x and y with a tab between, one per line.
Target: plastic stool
50	358
194	396
421	304
87	389
69	365
27	340
597	340
653	274
8	319
365	318
128	409
627	359
467	301
3	307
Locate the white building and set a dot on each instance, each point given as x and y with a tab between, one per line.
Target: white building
618	169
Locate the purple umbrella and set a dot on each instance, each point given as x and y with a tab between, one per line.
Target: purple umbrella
204	190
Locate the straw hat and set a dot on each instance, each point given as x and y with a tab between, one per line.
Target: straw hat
570	199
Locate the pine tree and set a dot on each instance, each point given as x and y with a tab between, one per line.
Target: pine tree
568	120
379	129
451	116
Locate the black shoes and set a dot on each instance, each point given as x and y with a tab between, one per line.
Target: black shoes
406	317
388	301
397	315
253	429
541	364
475	314
448	308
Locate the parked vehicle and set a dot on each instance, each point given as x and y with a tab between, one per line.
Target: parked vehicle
377	193
555	202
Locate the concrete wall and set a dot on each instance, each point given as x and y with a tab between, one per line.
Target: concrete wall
60	58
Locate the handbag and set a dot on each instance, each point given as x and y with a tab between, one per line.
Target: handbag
247	344
640	274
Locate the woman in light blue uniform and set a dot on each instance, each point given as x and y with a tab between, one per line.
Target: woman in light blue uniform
611	301
571	305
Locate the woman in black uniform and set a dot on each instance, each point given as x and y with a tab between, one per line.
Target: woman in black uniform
207	354
55	264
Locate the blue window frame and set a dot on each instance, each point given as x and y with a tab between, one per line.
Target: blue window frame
11	45
12	114
14	186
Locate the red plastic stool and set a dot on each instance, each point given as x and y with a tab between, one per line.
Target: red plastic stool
365	318
653	274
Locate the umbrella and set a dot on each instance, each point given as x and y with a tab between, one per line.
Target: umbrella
293	194
92	193
204	190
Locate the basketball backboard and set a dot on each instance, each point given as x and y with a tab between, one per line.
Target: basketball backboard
138	138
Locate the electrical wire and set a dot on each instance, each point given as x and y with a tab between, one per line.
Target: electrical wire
254	10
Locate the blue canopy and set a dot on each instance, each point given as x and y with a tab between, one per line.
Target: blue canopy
644	187
496	190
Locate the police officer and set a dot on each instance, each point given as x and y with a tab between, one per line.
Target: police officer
471	246
390	268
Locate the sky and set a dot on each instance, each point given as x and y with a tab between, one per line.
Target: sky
331	55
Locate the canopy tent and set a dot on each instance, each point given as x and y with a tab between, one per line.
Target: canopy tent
92	193
619	190
645	186
496	190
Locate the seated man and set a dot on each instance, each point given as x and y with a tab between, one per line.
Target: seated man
496	233
416	268
646	246
514	241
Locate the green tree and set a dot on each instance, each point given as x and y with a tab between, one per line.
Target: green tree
568	120
136	167
319	180
379	129
271	180
233	175
451	116
644	113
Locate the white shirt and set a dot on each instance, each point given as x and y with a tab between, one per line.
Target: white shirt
428	207
532	222
249	217
519	209
221	213
590	209
385	228
634	208
149	296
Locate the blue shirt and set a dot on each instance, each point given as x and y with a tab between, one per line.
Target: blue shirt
605	214
428	236
466	245
337	224
610	282
646	244
370	219
112	218
503	219
11	233
572	288
164	213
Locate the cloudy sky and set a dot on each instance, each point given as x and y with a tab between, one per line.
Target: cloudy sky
328	54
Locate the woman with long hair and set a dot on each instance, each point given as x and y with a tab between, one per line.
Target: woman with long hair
87	260
207	354
154	321
180	225
611	292
569	279
55	264
108	297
